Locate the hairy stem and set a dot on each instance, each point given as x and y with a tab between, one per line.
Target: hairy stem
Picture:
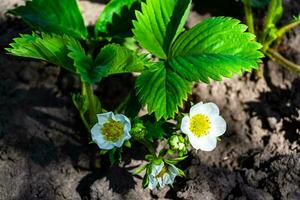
149	146
122	105
87	89
274	55
249	16
283	30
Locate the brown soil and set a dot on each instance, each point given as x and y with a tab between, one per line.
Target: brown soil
44	151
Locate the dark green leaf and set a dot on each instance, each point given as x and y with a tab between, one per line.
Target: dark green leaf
112	59
181	173
159	23
162	90
116	18
49	47
88	70
115	156
154	130
145	181
116	59
217	47
133	106
54	16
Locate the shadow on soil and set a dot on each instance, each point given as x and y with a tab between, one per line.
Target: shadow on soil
282	104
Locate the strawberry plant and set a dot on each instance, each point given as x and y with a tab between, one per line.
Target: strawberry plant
270	35
215	48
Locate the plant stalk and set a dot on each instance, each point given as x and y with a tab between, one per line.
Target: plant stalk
122	105
274	55
283	30
249	16
149	146
88	90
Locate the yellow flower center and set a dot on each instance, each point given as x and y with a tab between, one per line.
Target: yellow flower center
112	130
162	172
199	125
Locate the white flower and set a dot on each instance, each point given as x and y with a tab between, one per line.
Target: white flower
162	175
111	130
203	125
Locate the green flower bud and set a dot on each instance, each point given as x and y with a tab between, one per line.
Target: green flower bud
138	130
177	143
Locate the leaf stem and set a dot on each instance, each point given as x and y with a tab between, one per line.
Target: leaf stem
283	30
249	16
123	104
87	89
274	55
149	146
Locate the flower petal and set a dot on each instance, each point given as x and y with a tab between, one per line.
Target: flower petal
218	126
103	117
106	145
95	132
156	168
185	125
208	109
173	171
205	143
124	120
168	179
98	138
127	135
152	183
161	182
119	143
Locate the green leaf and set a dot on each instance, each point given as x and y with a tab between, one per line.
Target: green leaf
140	169
159	23
48	47
112	59
149	157
127	144
162	90
214	48
133	106
175	160
115	156
116	59
154	130
181	173
54	16
146	180
116	18
88	70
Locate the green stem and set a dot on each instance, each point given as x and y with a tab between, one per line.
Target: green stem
274	55
122	105
280	33
149	146
283	30
87	89
86	124
249	16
